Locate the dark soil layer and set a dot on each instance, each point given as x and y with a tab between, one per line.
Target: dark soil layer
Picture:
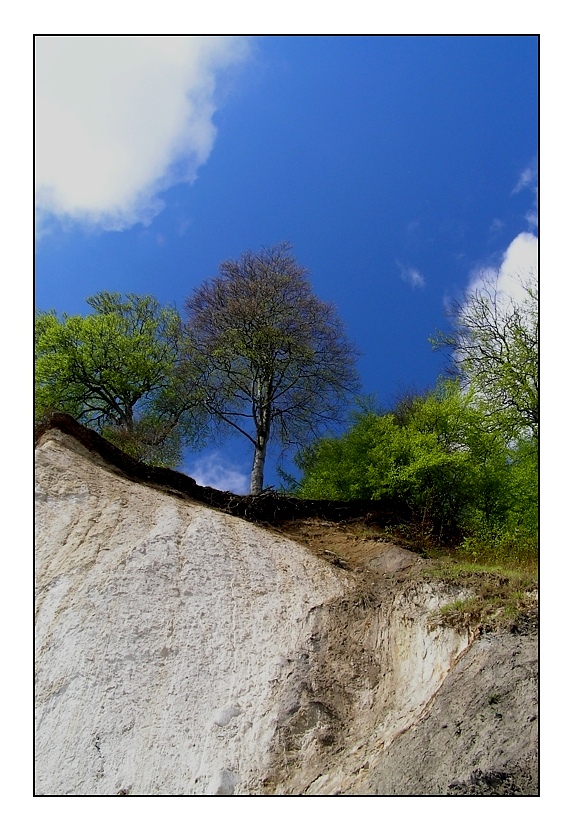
268	507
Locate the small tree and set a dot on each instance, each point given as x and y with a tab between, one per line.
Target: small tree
273	358
494	342
115	370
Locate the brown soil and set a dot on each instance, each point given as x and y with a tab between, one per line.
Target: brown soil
354	546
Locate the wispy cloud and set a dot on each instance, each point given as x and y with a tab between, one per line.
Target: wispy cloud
496	226
528	180
121	118
411	275
213	471
532	218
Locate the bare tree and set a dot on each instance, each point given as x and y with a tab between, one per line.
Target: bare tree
494	342
273	359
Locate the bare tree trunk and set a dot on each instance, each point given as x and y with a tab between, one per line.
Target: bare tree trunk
256	485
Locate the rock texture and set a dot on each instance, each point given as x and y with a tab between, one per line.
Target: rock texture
184	651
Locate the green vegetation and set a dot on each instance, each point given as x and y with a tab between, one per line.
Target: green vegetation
494	346
462	482
495	594
259	353
116	370
463	458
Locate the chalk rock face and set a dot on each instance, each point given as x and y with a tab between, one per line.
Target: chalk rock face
183	651
163	631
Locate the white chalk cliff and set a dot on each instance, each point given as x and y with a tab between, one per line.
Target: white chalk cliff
183	651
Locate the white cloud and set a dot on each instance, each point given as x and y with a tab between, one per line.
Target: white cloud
412	276
121	118
518	267
213	471
520	261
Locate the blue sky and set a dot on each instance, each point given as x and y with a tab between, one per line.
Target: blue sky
399	168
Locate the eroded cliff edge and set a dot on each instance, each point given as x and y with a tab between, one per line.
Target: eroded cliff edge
183	650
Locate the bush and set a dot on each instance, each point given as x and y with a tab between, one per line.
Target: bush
441	457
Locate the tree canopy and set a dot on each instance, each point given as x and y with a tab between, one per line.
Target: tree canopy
115	370
494	343
273	358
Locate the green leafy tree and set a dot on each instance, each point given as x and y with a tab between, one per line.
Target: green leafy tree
273	358
494	342
511	532
116	371
432	454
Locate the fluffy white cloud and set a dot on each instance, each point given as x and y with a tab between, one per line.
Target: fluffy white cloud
213	471
121	118
520	261
518	267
